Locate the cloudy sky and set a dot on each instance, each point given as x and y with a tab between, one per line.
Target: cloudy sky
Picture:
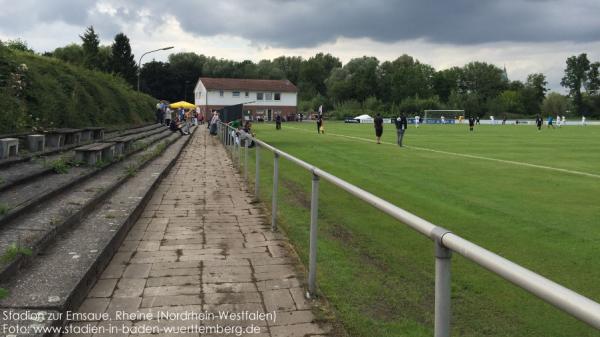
526	36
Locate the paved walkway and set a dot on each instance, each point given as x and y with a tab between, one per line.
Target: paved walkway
202	248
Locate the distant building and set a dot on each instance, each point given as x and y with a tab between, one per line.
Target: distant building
262	99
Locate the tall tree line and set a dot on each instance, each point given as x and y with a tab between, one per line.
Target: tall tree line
363	84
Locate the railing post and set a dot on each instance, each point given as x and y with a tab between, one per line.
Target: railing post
443	257
312	261
239	154
246	161
257	167
275	187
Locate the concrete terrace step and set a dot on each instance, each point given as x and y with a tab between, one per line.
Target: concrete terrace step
41	223
60	276
39	166
29	156
21	196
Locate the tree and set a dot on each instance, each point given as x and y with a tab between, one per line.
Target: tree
314	72
485	80
537	82
158	80
356	80
72	53
290	66
555	103
593	79
575	77
403	78
446	81
91	44
122	61
18	44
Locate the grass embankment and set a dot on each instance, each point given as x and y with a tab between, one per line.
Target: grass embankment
379	275
47	92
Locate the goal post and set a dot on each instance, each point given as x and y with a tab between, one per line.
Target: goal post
443	116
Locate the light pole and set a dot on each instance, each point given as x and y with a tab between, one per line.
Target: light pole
140	64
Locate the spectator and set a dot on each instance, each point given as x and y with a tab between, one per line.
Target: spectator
378	123
177	126
401	126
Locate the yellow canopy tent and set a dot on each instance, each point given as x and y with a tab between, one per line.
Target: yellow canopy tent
182	104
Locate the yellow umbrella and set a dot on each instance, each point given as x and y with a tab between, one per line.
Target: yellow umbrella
182	104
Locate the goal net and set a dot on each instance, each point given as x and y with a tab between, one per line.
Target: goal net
443	116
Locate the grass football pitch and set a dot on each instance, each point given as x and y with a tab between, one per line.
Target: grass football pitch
530	196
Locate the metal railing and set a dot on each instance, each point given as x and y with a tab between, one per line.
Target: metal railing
445	242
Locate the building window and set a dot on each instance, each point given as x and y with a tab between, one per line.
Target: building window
268	96
221	93
278	96
259	96
247	94
236	94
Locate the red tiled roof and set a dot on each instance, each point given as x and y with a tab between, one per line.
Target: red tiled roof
248	85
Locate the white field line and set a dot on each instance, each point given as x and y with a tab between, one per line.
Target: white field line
512	162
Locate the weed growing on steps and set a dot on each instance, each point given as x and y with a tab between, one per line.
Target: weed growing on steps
4	209
3	293
60	166
13	251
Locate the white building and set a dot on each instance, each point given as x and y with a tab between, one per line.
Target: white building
261	98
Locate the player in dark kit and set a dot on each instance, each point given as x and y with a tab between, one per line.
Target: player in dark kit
471	123
539	121
378	122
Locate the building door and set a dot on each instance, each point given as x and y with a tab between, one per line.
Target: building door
269	114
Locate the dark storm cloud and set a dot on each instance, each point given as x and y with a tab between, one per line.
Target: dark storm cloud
290	23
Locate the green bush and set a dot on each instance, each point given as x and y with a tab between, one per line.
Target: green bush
47	92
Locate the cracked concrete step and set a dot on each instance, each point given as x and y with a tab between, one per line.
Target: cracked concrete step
36	229
4	163
19	198
33	169
61	276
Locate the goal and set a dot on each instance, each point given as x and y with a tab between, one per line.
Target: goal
443	116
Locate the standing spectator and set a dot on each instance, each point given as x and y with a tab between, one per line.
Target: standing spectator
417	119
158	113
168	116
187	120
278	122
471	123
401	126
214	121
378	123
319	123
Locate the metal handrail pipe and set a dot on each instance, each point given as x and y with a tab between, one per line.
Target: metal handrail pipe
559	296
563	298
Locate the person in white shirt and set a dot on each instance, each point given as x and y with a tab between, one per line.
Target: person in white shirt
582	120
417	120
492	120
564	120
443	120
558	123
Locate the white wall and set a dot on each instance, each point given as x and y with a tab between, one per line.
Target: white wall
215	98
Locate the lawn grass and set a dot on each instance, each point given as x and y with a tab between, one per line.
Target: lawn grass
378	274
